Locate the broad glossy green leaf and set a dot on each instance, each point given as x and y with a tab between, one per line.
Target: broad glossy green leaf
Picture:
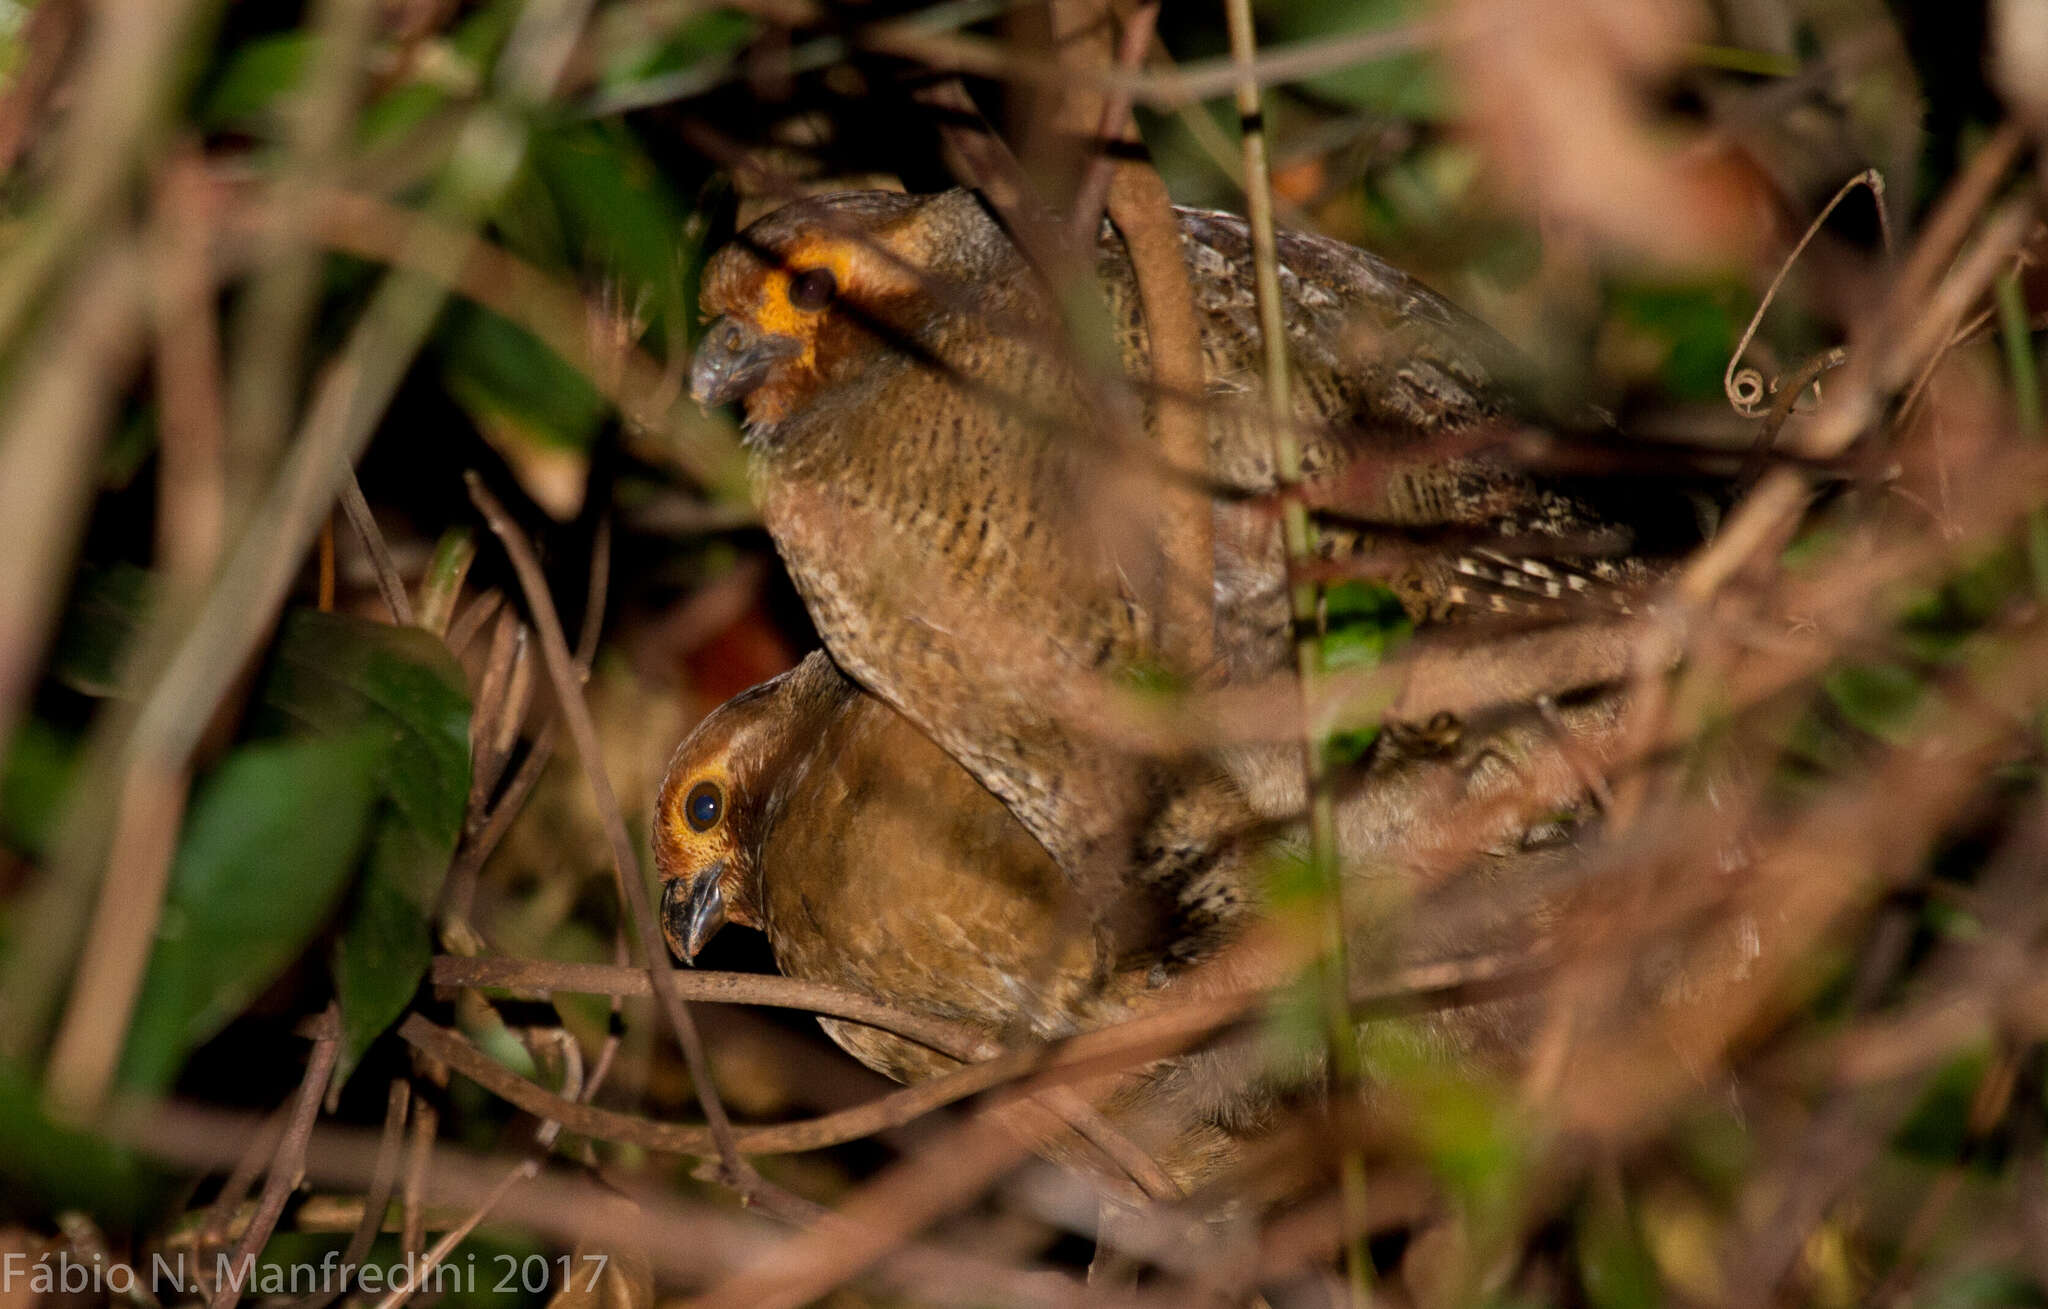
336	673
339	674
384	946
266	853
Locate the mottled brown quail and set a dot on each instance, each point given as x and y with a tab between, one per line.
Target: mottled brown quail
923	450
811	811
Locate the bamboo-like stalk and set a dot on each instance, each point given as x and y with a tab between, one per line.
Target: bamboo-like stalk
1299	537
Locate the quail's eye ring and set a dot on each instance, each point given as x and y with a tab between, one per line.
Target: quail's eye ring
703	806
813	289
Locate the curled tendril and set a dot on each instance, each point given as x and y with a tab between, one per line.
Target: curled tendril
1746	387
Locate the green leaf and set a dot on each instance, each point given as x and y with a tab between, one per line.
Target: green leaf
107	609
1614	1264
617	215
35	781
339	674
1293	1028
458	67
1694	325
1362	621
1875	698
336	673
62	1167
1289	877
271	839
1972	1288
384	946
256	77
505	378
1938	1128
1469	1132
1348	749
1401	86
707	38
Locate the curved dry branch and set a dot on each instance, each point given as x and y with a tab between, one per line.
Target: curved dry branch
892	1110
1420	989
951	1039
626	864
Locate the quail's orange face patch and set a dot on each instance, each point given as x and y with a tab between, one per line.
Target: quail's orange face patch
694	829
785	302
700	846
799	311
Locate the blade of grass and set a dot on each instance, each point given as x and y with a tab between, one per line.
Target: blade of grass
2021	364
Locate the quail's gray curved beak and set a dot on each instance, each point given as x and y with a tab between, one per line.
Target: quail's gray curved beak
692	909
733	359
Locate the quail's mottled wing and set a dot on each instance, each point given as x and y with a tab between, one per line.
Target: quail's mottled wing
1398	398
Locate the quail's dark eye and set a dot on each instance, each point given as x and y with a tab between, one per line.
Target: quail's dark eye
813	288
703	806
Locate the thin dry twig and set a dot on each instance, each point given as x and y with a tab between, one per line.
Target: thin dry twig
124	70
626	865
261	1148
413	1183
1852	407
687	1241
460	898
389	584
892	1110
191	525
1143	212
45	38
949	52
525	1170
275	317
290	1158
1746	387
471	619
1114	130
377	1199
542	976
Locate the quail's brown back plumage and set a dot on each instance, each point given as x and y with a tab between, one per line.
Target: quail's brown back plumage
921	454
